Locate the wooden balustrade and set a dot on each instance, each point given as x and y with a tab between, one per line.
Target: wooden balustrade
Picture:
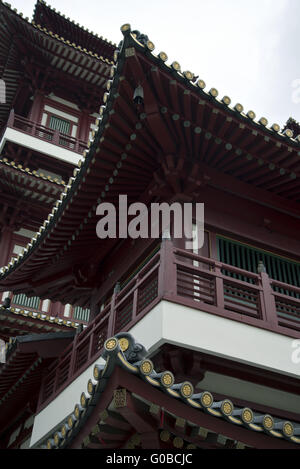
44	133
184	278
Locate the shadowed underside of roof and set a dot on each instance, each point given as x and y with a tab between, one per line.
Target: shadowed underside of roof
180	127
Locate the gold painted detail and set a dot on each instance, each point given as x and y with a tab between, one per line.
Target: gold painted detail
83	400
120	398
164	435
125	27
124	344
227	407
77	411
70	422
130	52
150	45
110	344
191	446
187	389
189	75
167	379
163	56
90	387
226	100
268	422
63	431
247	415
176	66
288	429
207	399
146	367
214	92
178	442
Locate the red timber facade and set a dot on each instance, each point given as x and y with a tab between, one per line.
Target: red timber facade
218	366
53	87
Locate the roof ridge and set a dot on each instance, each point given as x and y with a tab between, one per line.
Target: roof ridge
56	36
34	173
190	79
62	15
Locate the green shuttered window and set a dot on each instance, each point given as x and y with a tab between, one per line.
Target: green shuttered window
247	258
23	300
81	314
59	124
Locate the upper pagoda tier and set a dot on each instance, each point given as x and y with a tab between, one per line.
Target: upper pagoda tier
47	17
33	57
177	136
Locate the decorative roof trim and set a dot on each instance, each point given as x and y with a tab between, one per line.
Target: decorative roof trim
95	35
38	317
188	78
27	171
56	36
109	97
123	351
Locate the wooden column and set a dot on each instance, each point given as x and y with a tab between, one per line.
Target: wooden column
112	317
5	245
36	110
94	309
269	301
84	128
167	269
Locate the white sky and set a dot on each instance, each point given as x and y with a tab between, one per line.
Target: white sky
247	49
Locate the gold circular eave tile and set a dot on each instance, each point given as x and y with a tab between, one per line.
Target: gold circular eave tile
268	422
247	415
124	344
227	407
288	429
167	379
187	390
146	367
110	344
207	399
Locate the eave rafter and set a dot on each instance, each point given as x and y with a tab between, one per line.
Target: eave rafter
132	141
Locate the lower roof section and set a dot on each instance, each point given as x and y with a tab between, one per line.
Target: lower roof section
210	335
128	397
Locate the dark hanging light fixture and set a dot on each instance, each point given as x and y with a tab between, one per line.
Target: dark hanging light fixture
138	96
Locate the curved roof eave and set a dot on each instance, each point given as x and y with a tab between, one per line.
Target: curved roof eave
123	351
70	195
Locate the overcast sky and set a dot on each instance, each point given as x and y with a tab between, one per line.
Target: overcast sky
248	50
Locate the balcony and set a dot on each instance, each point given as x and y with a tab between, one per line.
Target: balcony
193	283
53	143
36	306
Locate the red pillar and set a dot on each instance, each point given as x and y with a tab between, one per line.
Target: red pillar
84	127
36	109
5	245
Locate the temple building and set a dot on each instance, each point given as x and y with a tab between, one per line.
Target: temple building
155	343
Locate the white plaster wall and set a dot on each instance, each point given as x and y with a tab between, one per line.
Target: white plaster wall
42	146
63	101
256	393
61	407
229	339
148	332
65	115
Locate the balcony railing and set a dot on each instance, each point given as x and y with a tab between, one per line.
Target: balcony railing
44	133
188	279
